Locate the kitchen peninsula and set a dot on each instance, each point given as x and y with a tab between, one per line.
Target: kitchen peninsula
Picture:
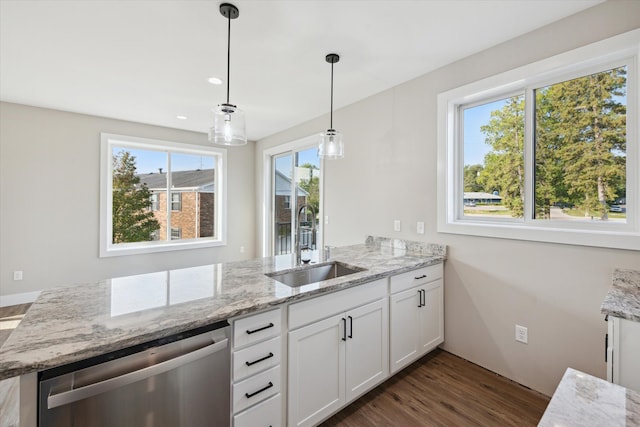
73	323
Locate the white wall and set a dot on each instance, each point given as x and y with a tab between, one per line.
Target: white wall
49	199
490	284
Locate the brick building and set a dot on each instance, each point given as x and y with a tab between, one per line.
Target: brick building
192	203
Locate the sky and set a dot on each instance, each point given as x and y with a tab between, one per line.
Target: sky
474	145
148	161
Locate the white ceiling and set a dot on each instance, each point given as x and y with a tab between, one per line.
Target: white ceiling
148	60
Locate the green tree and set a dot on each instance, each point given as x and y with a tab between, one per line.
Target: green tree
312	186
471	178
504	165
587	127
132	219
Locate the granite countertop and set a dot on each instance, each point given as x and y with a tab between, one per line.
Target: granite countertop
76	322
584	400
623	300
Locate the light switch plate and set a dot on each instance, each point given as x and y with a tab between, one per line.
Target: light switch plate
396	225
420	227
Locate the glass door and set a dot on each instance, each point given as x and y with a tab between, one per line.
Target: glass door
296	178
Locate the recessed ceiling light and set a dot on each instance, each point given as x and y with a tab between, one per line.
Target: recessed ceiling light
214	80
181	117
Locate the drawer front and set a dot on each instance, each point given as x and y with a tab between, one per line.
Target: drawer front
258	327
267	413
256	389
256	358
321	307
420	276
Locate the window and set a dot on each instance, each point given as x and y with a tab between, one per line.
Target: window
546	152
155	202
176	201
140	214
293	177
176	233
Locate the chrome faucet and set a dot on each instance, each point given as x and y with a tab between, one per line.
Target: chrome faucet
298	234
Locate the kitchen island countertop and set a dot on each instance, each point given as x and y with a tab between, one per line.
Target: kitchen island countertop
73	323
623	300
584	400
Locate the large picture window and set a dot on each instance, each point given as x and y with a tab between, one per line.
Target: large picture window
546	152
159	195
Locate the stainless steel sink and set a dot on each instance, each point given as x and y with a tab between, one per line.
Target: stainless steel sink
314	273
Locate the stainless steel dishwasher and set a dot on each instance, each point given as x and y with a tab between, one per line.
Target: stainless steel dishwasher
178	381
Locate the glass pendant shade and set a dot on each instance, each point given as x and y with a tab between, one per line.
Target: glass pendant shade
331	146
228	126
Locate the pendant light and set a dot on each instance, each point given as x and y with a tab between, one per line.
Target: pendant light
331	146
228	120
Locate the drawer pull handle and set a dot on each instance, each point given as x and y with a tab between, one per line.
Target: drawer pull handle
270	355
421	277
270	325
267	387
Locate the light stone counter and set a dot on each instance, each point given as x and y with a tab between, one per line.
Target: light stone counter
623	300
76	322
582	400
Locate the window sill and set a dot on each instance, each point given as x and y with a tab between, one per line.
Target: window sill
613	237
147	247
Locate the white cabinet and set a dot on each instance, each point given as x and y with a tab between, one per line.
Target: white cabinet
256	372
416	315
336	357
623	352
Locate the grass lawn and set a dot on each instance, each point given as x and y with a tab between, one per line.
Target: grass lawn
580	213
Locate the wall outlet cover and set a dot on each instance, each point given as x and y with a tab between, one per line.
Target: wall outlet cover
522	334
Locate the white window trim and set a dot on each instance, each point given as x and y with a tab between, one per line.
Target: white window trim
107	248
573	63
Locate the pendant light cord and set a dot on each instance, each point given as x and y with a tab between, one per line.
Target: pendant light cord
331	117
228	54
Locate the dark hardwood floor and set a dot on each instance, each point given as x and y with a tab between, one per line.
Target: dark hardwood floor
444	390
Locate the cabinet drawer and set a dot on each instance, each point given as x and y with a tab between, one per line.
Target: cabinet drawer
420	276
267	413
315	309
256	358
256	328
256	389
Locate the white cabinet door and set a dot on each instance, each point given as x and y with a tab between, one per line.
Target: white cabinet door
405	319
367	349
622	363
431	317
316	371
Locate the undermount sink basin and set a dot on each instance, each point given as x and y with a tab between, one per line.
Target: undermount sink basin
314	273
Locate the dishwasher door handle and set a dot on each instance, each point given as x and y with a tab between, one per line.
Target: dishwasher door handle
67	397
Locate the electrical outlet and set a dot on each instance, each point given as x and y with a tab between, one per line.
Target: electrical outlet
522	334
420	227
396	225
241	249
17	275
326	220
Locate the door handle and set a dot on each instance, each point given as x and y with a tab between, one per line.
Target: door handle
344	329
55	400
351	326
421	277
422	299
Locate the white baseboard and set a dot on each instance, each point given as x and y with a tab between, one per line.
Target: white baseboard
15	299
